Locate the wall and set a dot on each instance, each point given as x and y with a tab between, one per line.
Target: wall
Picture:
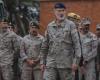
90	8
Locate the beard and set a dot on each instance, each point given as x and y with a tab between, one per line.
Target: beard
86	30
60	17
34	33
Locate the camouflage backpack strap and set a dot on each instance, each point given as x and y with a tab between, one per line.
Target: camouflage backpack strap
81	61
72	39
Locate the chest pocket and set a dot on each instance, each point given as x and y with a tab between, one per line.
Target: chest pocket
7	43
88	44
34	49
67	33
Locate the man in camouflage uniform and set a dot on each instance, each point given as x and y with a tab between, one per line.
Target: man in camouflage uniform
57	51
17	66
76	19
98	53
8	46
30	49
89	51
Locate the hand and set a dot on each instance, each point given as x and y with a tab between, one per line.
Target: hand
74	67
30	62
82	69
42	67
85	63
37	61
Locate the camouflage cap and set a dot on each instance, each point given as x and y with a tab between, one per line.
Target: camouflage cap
73	15
98	26
78	17
85	21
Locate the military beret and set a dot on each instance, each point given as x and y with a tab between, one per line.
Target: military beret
98	26
34	24
11	25
86	21
59	5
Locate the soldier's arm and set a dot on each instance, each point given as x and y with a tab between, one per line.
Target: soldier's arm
15	43
93	52
44	49
15	47
42	38
23	51
98	54
76	44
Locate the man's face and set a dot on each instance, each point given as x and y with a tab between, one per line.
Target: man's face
33	31
10	28
85	28
60	13
98	32
4	27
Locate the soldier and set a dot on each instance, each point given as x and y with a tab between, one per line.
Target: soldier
89	50
76	19
8	46
17	66
30	49
57	51
98	52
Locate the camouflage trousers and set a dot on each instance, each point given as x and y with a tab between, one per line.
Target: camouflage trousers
88	71
6	72
54	73
28	73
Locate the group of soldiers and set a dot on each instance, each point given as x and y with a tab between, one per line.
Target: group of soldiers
68	51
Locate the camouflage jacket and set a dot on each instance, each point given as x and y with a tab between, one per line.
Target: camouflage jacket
61	45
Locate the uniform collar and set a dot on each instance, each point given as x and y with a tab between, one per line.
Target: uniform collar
35	36
62	24
87	34
6	33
